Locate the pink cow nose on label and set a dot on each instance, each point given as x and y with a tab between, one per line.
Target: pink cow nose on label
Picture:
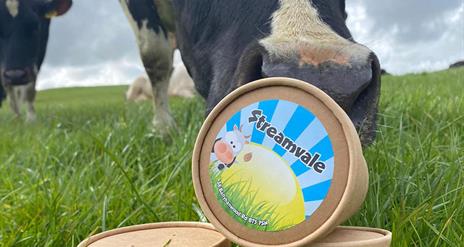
223	152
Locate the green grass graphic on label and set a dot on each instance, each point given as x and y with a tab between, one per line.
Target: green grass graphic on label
259	190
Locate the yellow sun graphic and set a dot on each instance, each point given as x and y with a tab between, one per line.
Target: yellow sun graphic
270	179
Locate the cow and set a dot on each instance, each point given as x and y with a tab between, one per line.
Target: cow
140	90
226	44
226	148
24	30
181	84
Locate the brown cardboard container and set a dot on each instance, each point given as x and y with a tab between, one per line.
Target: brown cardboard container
356	237
172	234
348	185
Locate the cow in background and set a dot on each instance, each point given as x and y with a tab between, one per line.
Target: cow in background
180	85
24	30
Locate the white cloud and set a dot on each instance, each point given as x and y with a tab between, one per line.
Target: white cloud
410	43
117	72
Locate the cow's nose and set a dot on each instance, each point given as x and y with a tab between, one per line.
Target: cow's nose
343	81
15	74
17	77
223	152
350	76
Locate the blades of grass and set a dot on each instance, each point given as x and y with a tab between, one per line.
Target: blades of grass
416	232
447	223
118	164
199	212
134	212
435	230
104	213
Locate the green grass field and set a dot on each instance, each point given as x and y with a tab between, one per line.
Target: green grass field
91	163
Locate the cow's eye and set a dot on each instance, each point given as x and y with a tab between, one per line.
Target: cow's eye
232	142
233	146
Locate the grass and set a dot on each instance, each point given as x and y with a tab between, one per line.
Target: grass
91	163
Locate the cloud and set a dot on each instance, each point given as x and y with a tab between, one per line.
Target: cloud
91	32
114	72
411	20
410	36
93	44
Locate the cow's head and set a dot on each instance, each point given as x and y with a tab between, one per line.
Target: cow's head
226	44
236	139
310	41
24	26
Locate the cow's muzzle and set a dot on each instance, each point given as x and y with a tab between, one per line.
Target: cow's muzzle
18	77
351	78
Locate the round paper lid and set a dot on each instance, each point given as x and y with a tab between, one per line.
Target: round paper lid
356	237
273	161
174	234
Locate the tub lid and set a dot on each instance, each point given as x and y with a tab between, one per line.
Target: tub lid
172	234
271	163
356	237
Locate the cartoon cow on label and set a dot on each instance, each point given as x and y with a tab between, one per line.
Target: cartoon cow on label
227	148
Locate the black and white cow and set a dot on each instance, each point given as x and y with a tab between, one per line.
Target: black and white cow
24	29
225	44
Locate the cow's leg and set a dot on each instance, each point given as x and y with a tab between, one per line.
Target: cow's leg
156	53
29	98
13	100
159	73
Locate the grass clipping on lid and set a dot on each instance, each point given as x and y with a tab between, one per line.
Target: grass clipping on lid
260	198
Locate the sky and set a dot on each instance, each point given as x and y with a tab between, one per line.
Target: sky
93	44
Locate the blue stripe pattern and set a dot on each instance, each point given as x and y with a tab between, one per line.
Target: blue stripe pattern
316	192
234	121
297	124
284	111
268	107
299	168
324	147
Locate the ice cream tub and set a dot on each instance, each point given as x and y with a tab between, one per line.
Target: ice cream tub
356	237
278	162
170	234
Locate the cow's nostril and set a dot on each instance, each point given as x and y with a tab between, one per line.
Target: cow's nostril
15	74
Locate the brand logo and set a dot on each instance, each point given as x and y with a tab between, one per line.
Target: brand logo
310	160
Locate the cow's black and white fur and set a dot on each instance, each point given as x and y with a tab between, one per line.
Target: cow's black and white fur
24	30
225	44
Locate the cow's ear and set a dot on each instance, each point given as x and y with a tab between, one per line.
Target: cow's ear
52	8
235	127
